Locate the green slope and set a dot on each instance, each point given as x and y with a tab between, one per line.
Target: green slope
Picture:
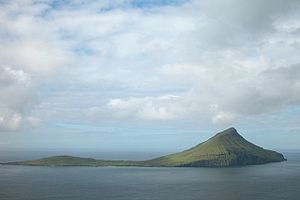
75	161
226	148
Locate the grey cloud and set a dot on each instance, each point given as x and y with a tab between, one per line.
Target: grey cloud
236	24
272	90
252	16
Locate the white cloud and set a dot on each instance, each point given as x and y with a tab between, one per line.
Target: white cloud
147	108
17	97
10	121
219	95
223	118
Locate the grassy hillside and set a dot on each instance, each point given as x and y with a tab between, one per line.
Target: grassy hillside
76	161
226	148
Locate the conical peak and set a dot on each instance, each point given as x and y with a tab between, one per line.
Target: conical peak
229	131
229	134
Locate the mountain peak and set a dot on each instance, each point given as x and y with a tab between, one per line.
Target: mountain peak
229	131
226	148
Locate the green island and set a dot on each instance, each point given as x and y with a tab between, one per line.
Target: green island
225	149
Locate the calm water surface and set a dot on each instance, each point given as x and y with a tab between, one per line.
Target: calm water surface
263	182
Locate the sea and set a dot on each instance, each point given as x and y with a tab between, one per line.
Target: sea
275	181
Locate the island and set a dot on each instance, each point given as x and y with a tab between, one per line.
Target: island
225	149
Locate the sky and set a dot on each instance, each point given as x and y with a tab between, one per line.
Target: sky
155	75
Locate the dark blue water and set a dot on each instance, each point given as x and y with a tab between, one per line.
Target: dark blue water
261	182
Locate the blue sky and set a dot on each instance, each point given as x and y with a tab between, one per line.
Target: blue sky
148	75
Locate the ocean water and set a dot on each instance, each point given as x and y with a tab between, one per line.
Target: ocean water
261	182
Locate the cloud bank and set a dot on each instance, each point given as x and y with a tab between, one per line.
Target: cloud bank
222	61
